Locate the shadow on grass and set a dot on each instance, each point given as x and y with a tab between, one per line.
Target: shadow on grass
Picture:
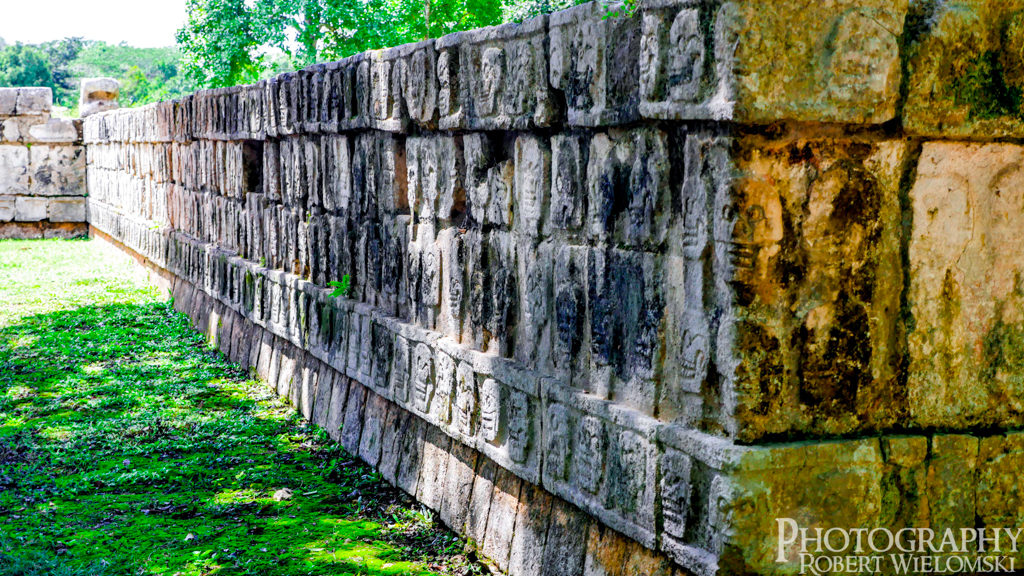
127	446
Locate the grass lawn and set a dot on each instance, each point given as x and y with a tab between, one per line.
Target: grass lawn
127	446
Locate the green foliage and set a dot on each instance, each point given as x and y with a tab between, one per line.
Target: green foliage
342	288
128	447
228	42
24	65
146	74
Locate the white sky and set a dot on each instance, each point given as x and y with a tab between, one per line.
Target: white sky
141	23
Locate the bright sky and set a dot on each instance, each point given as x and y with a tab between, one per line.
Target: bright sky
141	23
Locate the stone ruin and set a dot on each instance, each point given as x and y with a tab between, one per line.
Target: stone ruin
626	290
42	168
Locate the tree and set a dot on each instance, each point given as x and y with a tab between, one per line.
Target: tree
221	41
228	42
60	54
24	65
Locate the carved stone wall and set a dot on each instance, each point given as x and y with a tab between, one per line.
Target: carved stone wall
42	168
623	290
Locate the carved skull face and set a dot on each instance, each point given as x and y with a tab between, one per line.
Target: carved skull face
694	359
444	388
416	85
675	492
446	94
465	398
686	59
423	383
757	228
400	370
518	426
490	410
430	284
492	65
590	457
557	442
634	466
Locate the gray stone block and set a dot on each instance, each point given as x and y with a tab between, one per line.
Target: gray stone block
30	209
66	209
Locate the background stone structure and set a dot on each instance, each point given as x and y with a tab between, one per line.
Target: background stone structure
623	290
42	168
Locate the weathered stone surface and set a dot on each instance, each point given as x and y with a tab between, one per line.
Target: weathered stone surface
66	210
810	243
807	60
6	208
965	73
98	95
594	62
14	170
57	170
61	130
965	367
34	100
30	208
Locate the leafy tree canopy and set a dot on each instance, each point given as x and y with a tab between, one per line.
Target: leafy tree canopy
229	42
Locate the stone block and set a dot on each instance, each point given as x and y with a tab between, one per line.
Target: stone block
501	518
8	101
495	78
805	60
34	101
14	169
30	209
965	69
595	62
965	348
66	210
566	543
843	471
62	130
808	242
57	170
6	208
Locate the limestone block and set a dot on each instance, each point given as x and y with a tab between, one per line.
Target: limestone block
435	187
965	367
625	305
30	208
965	71
57	170
55	130
8	101
758	63
14	169
386	110
34	101
594	60
690	311
628	187
566	542
808	241
418	71
495	78
66	209
999	500
803	482
531	183
6	208
98	95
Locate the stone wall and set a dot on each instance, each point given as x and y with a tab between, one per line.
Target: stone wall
623	291
42	168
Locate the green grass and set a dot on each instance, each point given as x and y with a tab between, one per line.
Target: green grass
128	446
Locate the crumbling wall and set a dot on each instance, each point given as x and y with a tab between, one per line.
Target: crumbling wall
622	290
42	168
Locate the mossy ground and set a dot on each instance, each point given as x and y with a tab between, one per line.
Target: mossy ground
128	446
